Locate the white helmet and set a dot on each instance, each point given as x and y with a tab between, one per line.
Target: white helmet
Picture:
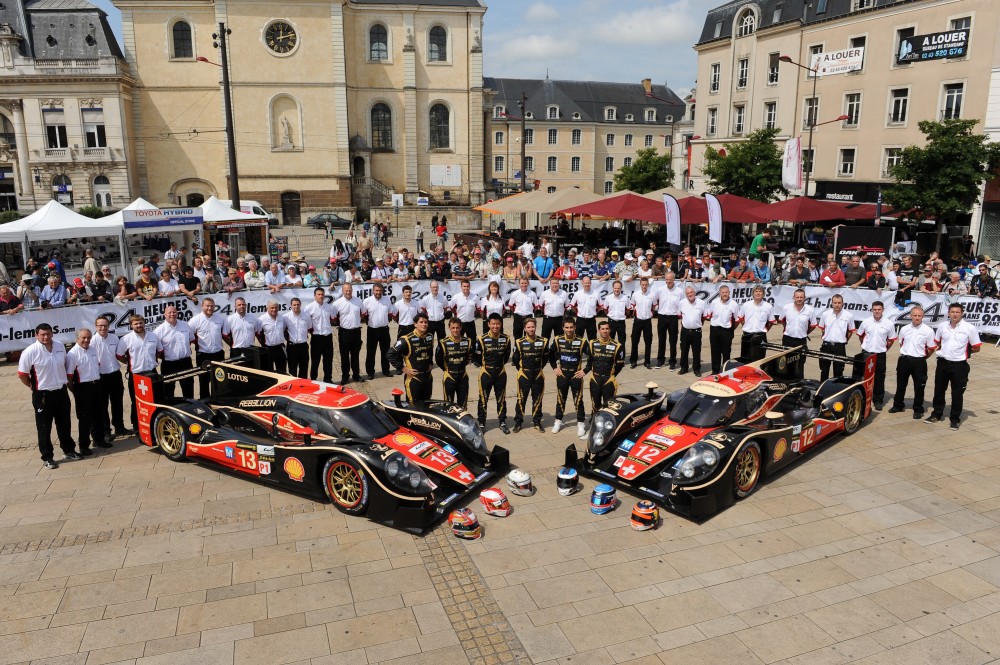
495	502
519	482
568	481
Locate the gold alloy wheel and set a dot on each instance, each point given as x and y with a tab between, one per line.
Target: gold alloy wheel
853	417
344	484
747	469
169	435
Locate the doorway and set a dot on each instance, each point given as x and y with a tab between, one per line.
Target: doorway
291	208
194	200
359	167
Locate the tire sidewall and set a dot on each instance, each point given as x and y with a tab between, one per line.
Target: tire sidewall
181	453
861	415
737	492
362	506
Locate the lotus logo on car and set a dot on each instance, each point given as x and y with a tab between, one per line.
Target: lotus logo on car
294	469
220	374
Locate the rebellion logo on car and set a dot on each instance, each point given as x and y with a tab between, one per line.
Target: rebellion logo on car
258	403
416	421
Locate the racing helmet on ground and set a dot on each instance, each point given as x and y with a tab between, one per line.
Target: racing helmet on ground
603	499
568	481
495	502
645	516
465	524
519	482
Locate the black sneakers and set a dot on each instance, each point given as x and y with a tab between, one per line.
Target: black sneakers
50	464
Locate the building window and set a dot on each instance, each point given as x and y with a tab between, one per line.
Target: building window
550	190
821	7
739	119
628	140
863	4
382	127
814	50
964	23
498	164
953	95
609	140
846	167
94	135
807	160
553	164
552	113
770	115
609	187
609	164
6	131
776	16
610	114
577	137
574	164
498	138
812	112
576	115
901	34
713	121
647	141
62	189
529	137
718	29
852	109
499	112
102	191
440	127
182	42
627	162
667	141
742	73
859	42
55	129
553	136
899	99
893	156
438	43
378	43
650	115
529	164
715	78
773	68
746	24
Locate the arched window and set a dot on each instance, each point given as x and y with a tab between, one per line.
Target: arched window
183	45
62	189
378	43
6	131
440	127
438	43
381	127
746	23
102	191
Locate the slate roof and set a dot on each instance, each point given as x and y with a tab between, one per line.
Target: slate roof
588	98
79	30
429	3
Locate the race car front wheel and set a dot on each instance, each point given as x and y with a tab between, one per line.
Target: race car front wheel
855	411
746	471
168	433
347	485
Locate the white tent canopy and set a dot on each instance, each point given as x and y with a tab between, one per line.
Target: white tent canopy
119	219
54	221
214	210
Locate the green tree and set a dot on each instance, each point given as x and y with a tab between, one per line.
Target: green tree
750	168
9	216
649	172
91	211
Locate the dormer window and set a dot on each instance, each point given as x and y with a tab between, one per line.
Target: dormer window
650	115
746	23
629	117
552	113
610	114
529	116
499	111
576	115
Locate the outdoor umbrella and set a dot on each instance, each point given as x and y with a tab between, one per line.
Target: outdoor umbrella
508	204
673	191
803	209
735	210
622	206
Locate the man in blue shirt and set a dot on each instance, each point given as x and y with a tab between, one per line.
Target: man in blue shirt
542	265
54	293
762	271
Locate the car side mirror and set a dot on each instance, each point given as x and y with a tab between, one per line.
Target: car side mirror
307	435
220	418
274	425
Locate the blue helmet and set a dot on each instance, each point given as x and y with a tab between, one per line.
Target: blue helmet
603	499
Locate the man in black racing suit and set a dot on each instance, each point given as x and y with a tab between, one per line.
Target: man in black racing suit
413	353
452	356
491	353
605	359
567	360
530	355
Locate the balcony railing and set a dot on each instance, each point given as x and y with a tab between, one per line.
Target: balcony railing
56	153
95	153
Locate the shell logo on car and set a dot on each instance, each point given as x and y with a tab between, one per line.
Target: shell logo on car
294	469
671	430
780	448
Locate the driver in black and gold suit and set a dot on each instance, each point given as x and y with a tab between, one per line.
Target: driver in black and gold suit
567	360
529	357
605	359
452	356
413	353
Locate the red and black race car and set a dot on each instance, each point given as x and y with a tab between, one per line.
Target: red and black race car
399	464
698	450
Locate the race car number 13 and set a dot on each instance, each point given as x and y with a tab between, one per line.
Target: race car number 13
248	459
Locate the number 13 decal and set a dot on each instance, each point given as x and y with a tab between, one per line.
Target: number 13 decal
248	459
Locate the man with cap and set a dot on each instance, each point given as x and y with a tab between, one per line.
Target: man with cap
79	293
440	272
380	273
378	309
42	369
982	284
146	286
211	284
566	270
292	278
311	279
626	271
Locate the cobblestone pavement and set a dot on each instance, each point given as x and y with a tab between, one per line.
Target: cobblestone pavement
881	548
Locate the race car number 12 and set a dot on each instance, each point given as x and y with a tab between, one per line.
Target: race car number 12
248	459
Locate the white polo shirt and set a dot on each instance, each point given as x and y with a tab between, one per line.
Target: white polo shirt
176	340
434	306
141	351
491	306
836	326
243	328
348	311
643	304
208	331
554	304
407	310
724	314
875	335
465	307
106	347
379	310
274	329
320	316
523	302
83	363
668	300
754	317
47	368
297	326
586	303
916	341
692	313
953	342
797	322
616	306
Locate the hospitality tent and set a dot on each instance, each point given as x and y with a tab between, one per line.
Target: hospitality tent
119	217
243	232
54	221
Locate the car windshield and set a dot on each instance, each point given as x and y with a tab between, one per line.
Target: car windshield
366	421
698	410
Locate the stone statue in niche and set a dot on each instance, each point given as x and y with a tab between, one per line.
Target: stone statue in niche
477	40
286	134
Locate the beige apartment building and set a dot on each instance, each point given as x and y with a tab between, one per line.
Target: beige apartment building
65	107
337	103
743	86
578	133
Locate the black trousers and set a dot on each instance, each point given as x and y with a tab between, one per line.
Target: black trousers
418	388
113	391
750	346
530	383
420	245
908	367
720	344
456	387
617	330
642	328
378	339
493	381
691	344
204	379
878	390
274	359
404	330
350	353
52	406
172	367
564	384
469	329
436	328
602	390
586	326
956	373
298	359
797	341
551	325
838	348
666	328
321	349
519	325
90	425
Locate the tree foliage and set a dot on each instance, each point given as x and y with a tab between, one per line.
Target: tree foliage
750	168
9	216
91	211
942	179
649	172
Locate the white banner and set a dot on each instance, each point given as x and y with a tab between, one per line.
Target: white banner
18	331
839	62
673	213
714	218
791	165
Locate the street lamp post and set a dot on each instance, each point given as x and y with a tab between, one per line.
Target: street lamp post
221	44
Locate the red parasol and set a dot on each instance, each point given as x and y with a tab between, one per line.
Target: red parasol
803	209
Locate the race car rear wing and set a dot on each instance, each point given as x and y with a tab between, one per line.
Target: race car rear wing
857	362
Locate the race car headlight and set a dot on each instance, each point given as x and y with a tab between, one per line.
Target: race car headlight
472	434
700	460
600	433
406	475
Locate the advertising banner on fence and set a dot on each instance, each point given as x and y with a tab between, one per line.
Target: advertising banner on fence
17	331
161	218
934	46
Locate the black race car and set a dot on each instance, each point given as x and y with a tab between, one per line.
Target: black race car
399	464
700	449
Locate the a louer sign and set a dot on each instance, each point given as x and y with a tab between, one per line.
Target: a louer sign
839	62
935	46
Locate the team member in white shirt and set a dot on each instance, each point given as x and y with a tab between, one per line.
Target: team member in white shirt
464	305
522	302
139	350
956	340
176	337
692	315
616	304
554	303
585	301
668	302
112	388
243	329
272	338
877	334
837	325
723	315
491	303
321	345
378	308
347	310
797	319
84	376
756	317
208	327
406	310
916	343
42	368
435	305
297	327
642	303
